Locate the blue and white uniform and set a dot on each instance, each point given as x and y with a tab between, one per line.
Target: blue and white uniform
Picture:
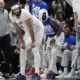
50	33
37	6
50	30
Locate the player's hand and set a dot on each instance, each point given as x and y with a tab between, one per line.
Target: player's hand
52	41
73	48
43	41
17	50
33	45
22	45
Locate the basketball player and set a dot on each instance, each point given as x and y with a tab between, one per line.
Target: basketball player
33	31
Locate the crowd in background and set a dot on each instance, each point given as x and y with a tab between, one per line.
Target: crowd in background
58	47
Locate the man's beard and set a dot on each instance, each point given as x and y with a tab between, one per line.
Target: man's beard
18	15
43	18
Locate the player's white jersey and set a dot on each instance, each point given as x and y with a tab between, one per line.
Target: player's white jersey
24	16
37	24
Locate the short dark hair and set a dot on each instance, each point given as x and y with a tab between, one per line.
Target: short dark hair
68	26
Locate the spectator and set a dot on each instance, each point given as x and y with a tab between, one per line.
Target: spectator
59	9
52	28
5	46
75	65
76	54
68	47
24	3
37	5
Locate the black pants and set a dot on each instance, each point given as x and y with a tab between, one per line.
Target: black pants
9	56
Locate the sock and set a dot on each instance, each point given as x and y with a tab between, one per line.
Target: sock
65	70
72	70
23	59
36	59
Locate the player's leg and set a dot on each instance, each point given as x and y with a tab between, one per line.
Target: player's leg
38	40
23	58
73	65
67	56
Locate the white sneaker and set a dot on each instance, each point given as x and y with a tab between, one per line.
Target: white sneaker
2	78
70	75
77	75
62	75
60	72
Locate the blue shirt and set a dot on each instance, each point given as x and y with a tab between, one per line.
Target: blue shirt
30	5
50	30
70	40
37	6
